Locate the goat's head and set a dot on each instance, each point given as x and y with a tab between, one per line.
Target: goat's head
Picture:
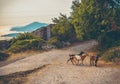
81	53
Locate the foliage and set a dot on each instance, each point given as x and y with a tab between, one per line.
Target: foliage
109	39
112	55
24	42
89	19
96	19
55	41
63	29
24	36
92	18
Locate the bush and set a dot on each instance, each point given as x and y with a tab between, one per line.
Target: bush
109	40
112	55
55	41
22	45
19	43
108	46
24	36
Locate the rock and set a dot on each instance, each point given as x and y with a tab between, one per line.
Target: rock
4	44
3	56
44	32
47	47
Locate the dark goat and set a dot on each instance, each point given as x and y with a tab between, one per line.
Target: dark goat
71	59
94	60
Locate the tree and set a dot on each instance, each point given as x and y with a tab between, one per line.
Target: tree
63	29
92	18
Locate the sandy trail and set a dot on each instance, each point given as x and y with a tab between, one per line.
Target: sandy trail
59	72
68	74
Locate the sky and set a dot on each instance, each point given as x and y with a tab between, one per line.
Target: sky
16	12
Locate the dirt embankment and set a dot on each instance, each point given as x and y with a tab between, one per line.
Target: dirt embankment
57	71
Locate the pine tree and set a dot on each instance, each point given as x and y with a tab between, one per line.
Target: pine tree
92	18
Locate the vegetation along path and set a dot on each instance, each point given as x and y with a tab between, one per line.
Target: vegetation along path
51	68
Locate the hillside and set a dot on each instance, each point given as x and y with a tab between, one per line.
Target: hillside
28	28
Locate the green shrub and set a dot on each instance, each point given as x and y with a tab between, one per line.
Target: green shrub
19	43
24	36
55	41
109	40
112	55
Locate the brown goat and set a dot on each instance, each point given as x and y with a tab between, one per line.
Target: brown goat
80	57
76	58
72	59
94	60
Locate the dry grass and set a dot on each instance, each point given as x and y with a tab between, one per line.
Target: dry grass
23	54
13	57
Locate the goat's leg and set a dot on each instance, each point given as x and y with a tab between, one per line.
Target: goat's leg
82	62
93	63
96	62
72	61
75	61
78	62
68	60
90	62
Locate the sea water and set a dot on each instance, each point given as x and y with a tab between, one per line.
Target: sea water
6	32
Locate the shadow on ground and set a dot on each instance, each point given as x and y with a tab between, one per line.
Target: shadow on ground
19	77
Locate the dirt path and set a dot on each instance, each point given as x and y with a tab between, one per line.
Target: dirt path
58	71
69	74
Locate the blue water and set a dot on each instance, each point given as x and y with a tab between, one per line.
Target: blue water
11	35
27	28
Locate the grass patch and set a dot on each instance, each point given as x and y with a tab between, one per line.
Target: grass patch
112	55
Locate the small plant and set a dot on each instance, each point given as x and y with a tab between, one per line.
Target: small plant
25	41
112	55
54	41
